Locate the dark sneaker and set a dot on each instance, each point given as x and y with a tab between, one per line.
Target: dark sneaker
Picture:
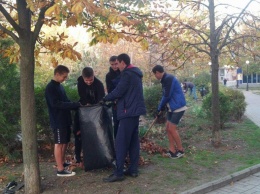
66	164
11	185
131	174
172	155
65	173
180	153
113	178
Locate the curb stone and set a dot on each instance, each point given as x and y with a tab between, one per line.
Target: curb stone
211	186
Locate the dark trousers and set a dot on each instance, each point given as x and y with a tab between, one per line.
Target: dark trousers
127	141
77	142
115	121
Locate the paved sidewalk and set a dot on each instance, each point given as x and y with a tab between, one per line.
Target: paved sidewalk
252	109
246	181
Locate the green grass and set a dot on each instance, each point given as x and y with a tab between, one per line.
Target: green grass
202	162
239	149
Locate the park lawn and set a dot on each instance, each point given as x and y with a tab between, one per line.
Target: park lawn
202	162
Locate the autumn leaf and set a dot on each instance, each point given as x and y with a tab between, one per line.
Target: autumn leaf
51	10
77	8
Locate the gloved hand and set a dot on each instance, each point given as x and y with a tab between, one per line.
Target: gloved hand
159	112
103	101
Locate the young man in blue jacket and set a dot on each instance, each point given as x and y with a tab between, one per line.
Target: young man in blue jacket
173	98
130	105
59	107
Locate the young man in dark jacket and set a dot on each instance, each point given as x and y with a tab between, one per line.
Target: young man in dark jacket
112	79
91	91
59	108
174	99
130	105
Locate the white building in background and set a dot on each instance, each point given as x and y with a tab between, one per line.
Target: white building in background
236	75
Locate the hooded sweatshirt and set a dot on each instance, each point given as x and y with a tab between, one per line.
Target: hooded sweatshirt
129	93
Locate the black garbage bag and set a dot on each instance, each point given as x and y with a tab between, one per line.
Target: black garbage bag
96	136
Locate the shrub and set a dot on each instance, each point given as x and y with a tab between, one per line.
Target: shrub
237	100
152	96
202	80
9	106
42	115
224	107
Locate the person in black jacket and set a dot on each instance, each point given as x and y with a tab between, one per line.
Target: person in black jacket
91	91
112	79
59	108
130	105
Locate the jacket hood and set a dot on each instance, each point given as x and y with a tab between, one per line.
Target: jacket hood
134	69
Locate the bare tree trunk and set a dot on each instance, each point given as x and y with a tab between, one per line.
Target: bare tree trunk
214	54
28	119
215	102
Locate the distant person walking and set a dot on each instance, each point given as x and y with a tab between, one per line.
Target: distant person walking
174	99
112	79
225	81
59	107
190	86
130	105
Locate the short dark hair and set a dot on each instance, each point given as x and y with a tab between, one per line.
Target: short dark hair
60	69
158	68
87	72
124	57
113	58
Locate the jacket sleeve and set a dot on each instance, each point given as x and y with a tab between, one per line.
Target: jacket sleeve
167	91
52	97
100	91
120	89
82	91
108	83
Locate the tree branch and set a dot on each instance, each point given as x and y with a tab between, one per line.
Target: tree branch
10	19
14	37
232	26
40	20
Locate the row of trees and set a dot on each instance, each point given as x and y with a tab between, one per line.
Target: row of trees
177	37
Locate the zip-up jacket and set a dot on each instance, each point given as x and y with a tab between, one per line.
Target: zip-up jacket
129	93
172	93
92	94
112	79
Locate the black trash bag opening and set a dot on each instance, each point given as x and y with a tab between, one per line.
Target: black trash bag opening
97	137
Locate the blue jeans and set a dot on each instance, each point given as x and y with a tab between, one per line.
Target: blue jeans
193	93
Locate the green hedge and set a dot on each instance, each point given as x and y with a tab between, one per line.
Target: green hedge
152	96
9	106
232	105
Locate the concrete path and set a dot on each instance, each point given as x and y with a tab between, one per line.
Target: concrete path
249	185
253	107
246	181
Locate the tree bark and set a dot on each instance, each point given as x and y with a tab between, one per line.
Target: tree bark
28	119
214	55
